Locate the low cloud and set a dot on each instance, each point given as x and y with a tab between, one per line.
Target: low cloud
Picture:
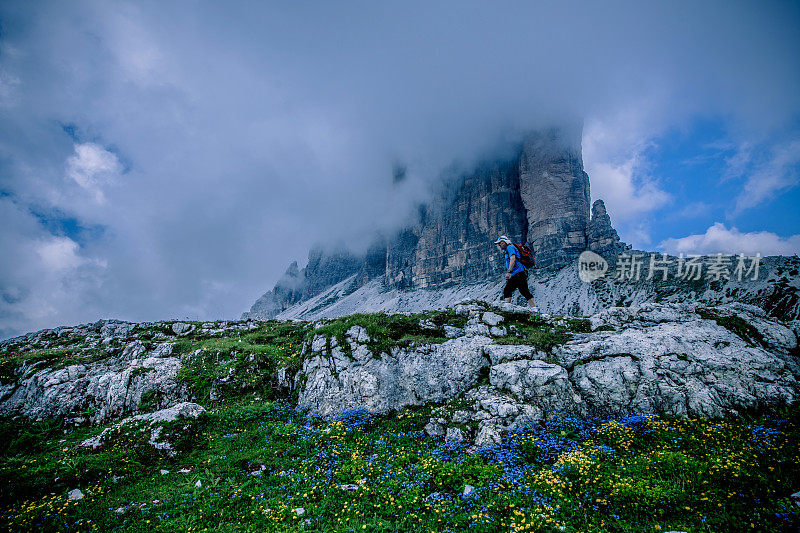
42	275
210	144
59	254
719	239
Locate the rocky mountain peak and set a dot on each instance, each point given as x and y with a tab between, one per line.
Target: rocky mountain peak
601	237
555	192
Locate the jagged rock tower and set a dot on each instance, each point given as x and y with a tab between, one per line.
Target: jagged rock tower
555	192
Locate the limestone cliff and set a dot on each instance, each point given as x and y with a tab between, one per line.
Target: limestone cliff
540	197
452	239
555	192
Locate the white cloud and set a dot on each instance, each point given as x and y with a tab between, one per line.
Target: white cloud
92	167
255	130
45	280
613	153
694	210
720	239
779	173
135	48
8	89
59	253
625	192
614	157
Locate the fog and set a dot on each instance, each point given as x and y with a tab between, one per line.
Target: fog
169	160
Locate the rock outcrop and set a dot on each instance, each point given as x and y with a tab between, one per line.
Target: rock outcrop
489	367
337	381
601	237
150	422
98	392
677	359
98	372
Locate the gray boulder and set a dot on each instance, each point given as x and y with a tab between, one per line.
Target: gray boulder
181	328
543	384
668	359
428	374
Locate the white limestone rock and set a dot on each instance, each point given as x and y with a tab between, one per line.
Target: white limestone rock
488	435
667	359
492	319
428	325
180	411
434	429
358	334
112	388
500	353
545	385
454	434
452	332
182	328
476	329
426	374
497	331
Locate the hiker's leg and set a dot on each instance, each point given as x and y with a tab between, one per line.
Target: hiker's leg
508	290
524	290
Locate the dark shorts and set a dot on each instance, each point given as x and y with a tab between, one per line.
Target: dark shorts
517	281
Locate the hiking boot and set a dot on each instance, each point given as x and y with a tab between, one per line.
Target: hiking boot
535	310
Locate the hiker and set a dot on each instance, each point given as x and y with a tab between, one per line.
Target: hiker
516	273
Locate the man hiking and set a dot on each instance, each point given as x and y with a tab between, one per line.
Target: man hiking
516	273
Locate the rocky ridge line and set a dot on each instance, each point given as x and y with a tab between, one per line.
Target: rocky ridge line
489	368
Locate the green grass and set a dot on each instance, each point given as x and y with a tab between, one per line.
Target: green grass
150	401
664	474
389	331
580	325
242	365
657	474
737	325
53	358
535	331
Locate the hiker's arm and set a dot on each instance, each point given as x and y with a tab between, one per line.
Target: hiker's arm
512	262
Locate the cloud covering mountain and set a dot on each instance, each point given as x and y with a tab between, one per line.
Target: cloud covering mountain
168	160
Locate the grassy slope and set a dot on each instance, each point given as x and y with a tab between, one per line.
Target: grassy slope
631	474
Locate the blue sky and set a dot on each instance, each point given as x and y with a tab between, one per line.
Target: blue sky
695	164
168	160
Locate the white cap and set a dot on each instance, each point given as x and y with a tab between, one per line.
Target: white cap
503	238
